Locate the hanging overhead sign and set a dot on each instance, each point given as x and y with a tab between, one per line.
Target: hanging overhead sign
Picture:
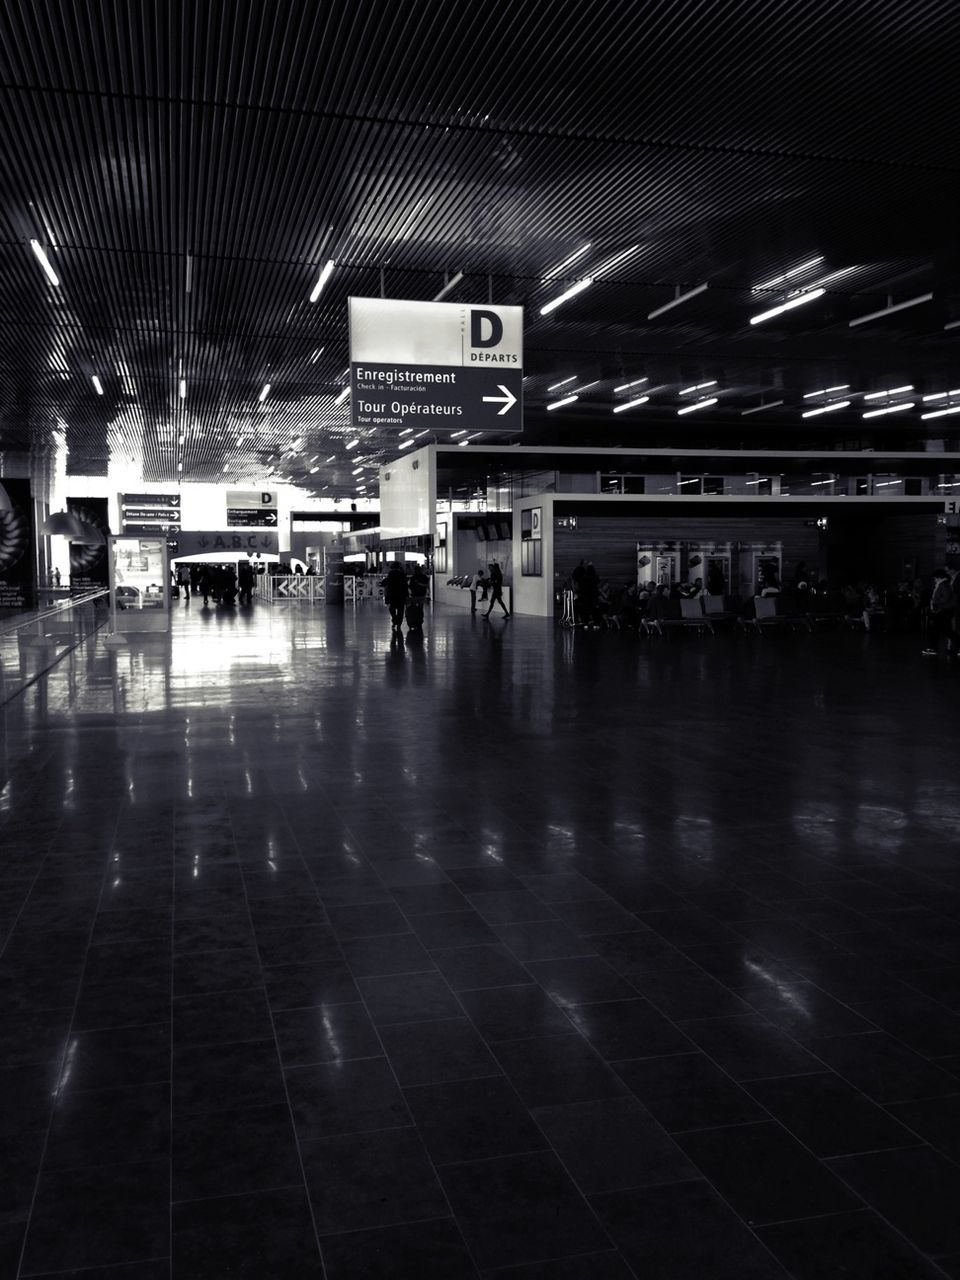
437	366
149	513
252	507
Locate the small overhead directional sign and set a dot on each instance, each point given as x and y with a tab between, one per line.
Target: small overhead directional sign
252	508
149	513
438	365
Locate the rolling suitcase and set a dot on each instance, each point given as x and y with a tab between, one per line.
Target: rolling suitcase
414	615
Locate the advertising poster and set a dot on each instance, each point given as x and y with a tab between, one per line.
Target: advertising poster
88	565
17	548
139	573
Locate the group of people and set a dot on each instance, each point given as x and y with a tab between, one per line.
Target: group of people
222	583
932	608
488	586
404	596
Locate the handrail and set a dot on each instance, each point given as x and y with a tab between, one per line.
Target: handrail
34	615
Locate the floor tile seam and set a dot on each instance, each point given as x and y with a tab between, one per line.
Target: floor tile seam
75	1271
236	1195
62	1061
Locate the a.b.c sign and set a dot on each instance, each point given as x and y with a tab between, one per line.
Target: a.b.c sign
437	365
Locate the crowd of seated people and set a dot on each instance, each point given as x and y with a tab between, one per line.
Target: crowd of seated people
863	605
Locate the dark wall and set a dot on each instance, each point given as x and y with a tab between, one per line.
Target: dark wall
869	546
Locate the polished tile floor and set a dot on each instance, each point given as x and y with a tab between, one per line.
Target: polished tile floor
507	952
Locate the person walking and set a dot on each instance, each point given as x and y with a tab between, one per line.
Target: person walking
942	607
245	581
496	590
476	584
419	586
395	592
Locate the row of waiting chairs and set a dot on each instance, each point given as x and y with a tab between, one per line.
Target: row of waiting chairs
763	613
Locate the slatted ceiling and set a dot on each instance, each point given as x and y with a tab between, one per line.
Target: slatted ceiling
262	140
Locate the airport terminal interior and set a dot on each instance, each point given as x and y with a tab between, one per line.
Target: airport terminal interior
479	538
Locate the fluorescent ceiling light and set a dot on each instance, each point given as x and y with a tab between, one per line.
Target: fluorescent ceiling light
44	261
770	404
762	480
885	484
826	391
631	404
787	275
627	385
700	404
183	388
325	275
357	471
699	387
890	309
676	301
612	262
332	458
314	470
451	284
894	391
316	355
240	440
787	306
265	392
352	444
814	483
942	413
226	466
342	396
558	404
954	324
557	385
559	270
587	385
942	395
691	480
826	408
405	443
890	408
834	275
406	431
97	385
454	434
565	297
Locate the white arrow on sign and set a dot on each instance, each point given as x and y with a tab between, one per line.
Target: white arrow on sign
508	399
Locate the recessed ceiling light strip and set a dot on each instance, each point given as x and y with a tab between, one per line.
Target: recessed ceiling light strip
890	408
325	274
627	385
826	408
559	270
449	287
826	391
44	261
557	385
559	404
700	386
789	305
565	297
700	404
894	391
631	404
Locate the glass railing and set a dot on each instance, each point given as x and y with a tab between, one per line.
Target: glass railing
34	641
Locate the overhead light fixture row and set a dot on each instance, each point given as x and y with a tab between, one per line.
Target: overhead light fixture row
559	404
826	391
557	385
565	297
342	396
627	385
890	408
559	270
700	386
97	385
265	392
788	275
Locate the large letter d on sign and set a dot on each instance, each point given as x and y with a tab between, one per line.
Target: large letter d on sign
476	329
